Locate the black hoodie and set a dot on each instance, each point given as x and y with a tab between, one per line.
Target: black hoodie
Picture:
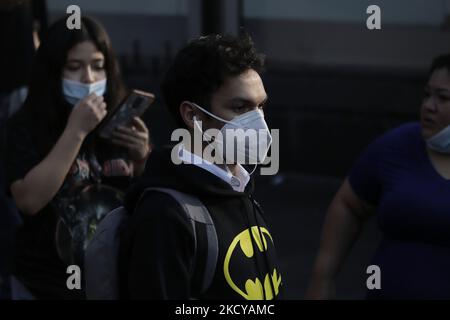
157	245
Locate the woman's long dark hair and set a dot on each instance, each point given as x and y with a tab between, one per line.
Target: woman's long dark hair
45	103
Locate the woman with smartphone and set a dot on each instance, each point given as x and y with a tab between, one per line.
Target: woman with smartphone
61	174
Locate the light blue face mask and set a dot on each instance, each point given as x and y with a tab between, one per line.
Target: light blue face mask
74	91
440	142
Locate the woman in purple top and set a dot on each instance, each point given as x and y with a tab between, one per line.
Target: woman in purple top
404	179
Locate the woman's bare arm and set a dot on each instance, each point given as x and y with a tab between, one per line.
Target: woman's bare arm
42	182
343	223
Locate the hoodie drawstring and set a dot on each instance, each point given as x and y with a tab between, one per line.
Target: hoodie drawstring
249	225
256	205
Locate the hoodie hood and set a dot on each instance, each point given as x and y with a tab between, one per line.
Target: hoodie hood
161	172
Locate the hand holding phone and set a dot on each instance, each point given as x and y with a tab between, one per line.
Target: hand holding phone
134	105
135	139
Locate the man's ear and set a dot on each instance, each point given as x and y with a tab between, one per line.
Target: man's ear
187	112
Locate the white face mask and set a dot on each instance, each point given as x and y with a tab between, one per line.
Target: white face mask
246	137
74	91
440	142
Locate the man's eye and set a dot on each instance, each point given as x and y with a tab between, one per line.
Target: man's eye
99	67
443	98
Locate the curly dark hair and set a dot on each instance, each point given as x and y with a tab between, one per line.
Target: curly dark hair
202	66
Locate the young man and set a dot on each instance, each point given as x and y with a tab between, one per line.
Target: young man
214	82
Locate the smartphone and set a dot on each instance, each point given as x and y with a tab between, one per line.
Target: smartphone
134	105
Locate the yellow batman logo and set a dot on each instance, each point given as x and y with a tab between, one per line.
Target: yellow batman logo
254	289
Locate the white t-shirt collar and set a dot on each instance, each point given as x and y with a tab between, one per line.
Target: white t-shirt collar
238	182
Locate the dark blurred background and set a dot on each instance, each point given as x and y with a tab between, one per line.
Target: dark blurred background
333	85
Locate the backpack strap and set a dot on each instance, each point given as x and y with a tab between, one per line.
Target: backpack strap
206	250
